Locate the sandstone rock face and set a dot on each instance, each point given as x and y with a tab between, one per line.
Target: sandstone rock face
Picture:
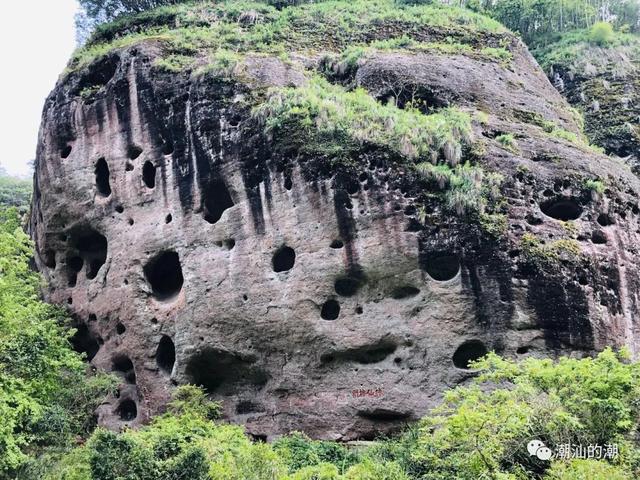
604	83
189	248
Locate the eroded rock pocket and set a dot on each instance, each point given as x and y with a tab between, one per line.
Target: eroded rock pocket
164	275
122	365
365	355
216	199
469	351
442	266
88	249
284	259
219	371
563	209
166	355
103	183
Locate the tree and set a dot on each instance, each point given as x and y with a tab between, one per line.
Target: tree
105	10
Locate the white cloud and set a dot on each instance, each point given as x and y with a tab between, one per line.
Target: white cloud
37	38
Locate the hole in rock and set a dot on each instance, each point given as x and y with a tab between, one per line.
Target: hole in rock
167	148
533	220
102	178
120	328
217	370
83	341
469	352
330	310
359	310
599	237
288	183
383	415
92	247
128	167
49	258
164	274
66	151
606	220
72	279
149	174
131	221
247	406
284	259
168	219
127	410
562	209
369	353
337	244
120	209
523	350
166	355
216	200
75	264
347	286
134	152
123	365
70	301
406	291
442	266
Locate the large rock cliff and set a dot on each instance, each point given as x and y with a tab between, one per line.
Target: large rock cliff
323	229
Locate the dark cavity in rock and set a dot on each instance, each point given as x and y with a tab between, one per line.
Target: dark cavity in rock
562	209
284	259
103	185
469	352
216	199
164	274
149	174
442	266
127	410
166	355
330	310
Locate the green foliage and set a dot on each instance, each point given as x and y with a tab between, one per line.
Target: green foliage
508	141
601	33
15	192
466	188
299	451
200	30
548	255
481	431
595	186
585	470
325	119
44	395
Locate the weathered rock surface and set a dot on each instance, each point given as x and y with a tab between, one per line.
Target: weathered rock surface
604	83
190	249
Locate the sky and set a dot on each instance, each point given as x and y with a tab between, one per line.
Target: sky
37	38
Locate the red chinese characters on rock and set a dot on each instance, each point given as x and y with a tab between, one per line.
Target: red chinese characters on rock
367	392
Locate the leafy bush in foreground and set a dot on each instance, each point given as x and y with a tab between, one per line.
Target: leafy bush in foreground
45	398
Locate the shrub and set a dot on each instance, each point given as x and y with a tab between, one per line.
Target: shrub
601	33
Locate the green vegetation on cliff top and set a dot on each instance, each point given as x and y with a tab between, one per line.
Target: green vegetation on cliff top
196	29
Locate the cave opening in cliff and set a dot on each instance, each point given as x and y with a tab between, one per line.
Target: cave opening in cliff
123	365
337	244
83	341
149	174
563	209
599	237
164	274
216	199
330	310
103	184
92	247
469	352
442	266
213	369
284	259
127	410
166	355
